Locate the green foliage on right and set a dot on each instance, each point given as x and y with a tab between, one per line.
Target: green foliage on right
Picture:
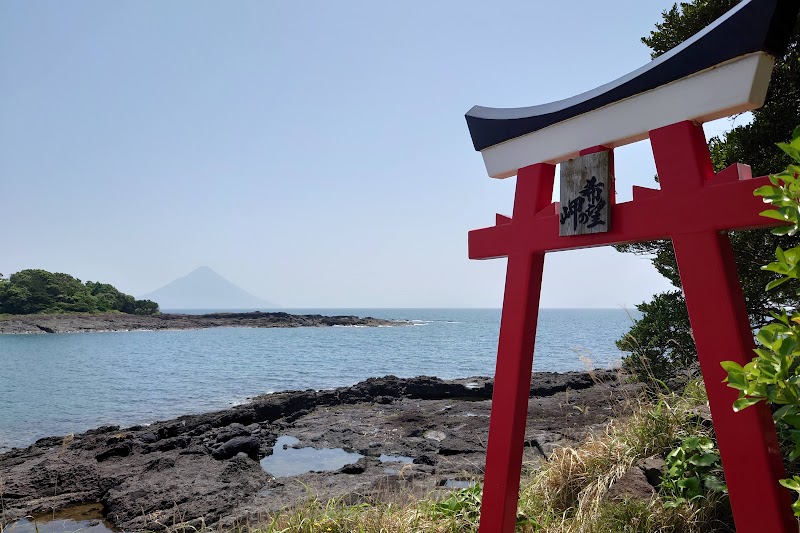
773	375
665	326
36	291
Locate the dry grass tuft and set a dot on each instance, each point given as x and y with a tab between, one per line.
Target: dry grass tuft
567	494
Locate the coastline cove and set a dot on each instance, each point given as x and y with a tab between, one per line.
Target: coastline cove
69	383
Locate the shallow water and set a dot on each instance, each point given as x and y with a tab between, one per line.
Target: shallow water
289	461
85	517
395	459
458	483
69	383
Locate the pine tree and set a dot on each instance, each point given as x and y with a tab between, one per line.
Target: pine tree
663	336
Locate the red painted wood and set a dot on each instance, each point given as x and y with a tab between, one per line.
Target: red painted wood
511	391
499	219
534	190
747	442
512	383
656	217
735	172
693	208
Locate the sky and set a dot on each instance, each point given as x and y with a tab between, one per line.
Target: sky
313	152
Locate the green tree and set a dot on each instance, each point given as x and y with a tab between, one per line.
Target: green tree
661	339
3	289
145	307
39	291
107	296
753	144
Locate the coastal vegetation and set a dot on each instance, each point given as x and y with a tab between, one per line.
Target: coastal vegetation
773	375
662	341
36	291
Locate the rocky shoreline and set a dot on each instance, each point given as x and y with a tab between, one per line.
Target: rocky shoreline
417	435
80	323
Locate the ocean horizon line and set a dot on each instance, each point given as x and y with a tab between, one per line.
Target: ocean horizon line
287	309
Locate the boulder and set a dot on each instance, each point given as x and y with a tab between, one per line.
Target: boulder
248	445
632	485
653	468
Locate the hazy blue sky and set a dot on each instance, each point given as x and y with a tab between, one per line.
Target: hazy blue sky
314	153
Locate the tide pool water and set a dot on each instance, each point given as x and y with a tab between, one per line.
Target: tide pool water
69	383
287	460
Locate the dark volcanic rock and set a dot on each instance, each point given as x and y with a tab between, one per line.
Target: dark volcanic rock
247	445
102	429
234	430
356	468
633	484
451	447
166	445
161	464
74	323
204	469
116	450
148	438
653	468
424	459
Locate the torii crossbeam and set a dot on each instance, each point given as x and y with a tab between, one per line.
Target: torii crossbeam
694	208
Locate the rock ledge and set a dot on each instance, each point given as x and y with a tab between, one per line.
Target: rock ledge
78	323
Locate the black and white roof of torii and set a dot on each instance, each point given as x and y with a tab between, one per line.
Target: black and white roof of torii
722	70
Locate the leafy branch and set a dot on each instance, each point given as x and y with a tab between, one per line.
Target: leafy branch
773	376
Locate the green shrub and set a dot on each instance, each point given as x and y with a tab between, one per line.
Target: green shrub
772	376
693	469
660	343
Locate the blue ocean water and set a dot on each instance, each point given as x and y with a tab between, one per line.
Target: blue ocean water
68	383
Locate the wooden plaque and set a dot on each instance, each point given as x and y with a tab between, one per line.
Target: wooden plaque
585	184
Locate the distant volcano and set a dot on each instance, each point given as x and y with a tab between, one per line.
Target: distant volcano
205	289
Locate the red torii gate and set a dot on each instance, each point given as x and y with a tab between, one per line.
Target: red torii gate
694	208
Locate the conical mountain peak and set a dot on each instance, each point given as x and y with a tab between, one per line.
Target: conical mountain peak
203	288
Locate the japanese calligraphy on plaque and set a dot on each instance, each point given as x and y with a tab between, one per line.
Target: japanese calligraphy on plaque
585	184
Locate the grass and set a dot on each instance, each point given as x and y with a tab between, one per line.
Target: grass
566	494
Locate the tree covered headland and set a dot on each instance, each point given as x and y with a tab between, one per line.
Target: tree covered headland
662	339
39	291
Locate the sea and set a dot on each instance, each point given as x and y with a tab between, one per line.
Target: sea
54	385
